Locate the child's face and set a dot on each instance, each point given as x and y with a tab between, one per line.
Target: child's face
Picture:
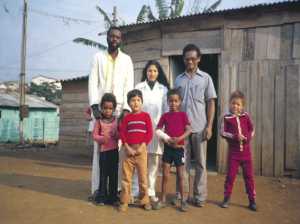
236	105
174	101
135	103
107	109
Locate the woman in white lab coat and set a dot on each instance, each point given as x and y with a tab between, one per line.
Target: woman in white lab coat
154	86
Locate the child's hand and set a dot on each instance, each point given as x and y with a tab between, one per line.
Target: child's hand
139	150
170	141
113	133
105	140
129	151
241	138
175	141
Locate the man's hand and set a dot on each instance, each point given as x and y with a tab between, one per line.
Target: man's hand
96	112
207	134
124	113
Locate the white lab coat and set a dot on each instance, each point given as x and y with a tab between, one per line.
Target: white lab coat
154	103
119	80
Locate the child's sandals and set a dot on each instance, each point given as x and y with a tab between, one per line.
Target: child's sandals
147	207
122	207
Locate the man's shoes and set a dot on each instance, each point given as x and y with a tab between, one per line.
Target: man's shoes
225	203
184	207
176	201
94	196
153	198
159	205
200	203
253	206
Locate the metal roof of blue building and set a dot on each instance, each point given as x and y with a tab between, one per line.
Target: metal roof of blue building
13	100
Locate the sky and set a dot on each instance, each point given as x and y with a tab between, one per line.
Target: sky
50	50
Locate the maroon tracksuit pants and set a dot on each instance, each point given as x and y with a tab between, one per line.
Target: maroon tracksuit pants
243	159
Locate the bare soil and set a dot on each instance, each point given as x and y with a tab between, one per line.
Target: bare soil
44	186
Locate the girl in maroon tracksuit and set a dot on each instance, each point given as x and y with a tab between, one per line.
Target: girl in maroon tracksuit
237	129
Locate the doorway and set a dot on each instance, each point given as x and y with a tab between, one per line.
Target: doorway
208	64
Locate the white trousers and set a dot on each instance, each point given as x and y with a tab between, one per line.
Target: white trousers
95	169
153	166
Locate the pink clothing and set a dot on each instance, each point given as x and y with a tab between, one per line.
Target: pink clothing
232	126
136	129
174	124
102	130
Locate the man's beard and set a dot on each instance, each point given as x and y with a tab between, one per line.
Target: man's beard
112	47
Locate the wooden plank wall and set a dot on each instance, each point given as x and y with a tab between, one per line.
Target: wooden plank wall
73	126
259	54
264	64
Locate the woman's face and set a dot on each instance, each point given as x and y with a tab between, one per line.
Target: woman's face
152	73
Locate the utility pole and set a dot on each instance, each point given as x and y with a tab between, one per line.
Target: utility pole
22	74
115	16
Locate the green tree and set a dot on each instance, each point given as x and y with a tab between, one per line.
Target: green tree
164	10
92	43
50	92
195	6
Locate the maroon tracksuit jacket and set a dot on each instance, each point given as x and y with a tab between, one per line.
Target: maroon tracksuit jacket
239	153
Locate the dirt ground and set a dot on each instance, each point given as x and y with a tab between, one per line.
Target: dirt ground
44	186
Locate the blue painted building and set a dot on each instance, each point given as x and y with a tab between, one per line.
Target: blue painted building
42	124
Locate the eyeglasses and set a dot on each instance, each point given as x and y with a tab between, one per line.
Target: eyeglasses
190	59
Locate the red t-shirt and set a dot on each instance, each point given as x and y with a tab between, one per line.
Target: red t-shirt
174	124
136	129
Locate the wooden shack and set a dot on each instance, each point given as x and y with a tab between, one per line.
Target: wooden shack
73	125
253	49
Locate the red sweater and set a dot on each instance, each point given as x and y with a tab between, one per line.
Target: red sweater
136	129
232	126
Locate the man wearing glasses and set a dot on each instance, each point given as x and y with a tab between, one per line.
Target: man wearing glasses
197	90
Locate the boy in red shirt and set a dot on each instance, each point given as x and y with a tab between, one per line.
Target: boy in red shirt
177	128
135	135
236	127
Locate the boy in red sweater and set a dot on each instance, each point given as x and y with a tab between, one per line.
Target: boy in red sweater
136	133
236	127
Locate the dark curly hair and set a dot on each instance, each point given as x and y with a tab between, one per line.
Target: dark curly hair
191	47
174	92
113	28
134	93
161	78
108	97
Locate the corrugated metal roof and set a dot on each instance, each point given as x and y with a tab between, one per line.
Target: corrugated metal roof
13	100
74	79
217	11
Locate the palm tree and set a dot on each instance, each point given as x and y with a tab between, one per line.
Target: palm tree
164	11
195	6
94	43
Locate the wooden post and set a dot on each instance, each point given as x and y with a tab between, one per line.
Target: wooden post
22	75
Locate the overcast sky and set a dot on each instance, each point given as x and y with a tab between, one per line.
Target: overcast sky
50	50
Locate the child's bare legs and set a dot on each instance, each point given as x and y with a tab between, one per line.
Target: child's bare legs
165	182
179	171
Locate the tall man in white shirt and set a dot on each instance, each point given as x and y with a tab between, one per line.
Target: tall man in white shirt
111	72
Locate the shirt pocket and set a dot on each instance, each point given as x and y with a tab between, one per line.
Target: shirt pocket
198	93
